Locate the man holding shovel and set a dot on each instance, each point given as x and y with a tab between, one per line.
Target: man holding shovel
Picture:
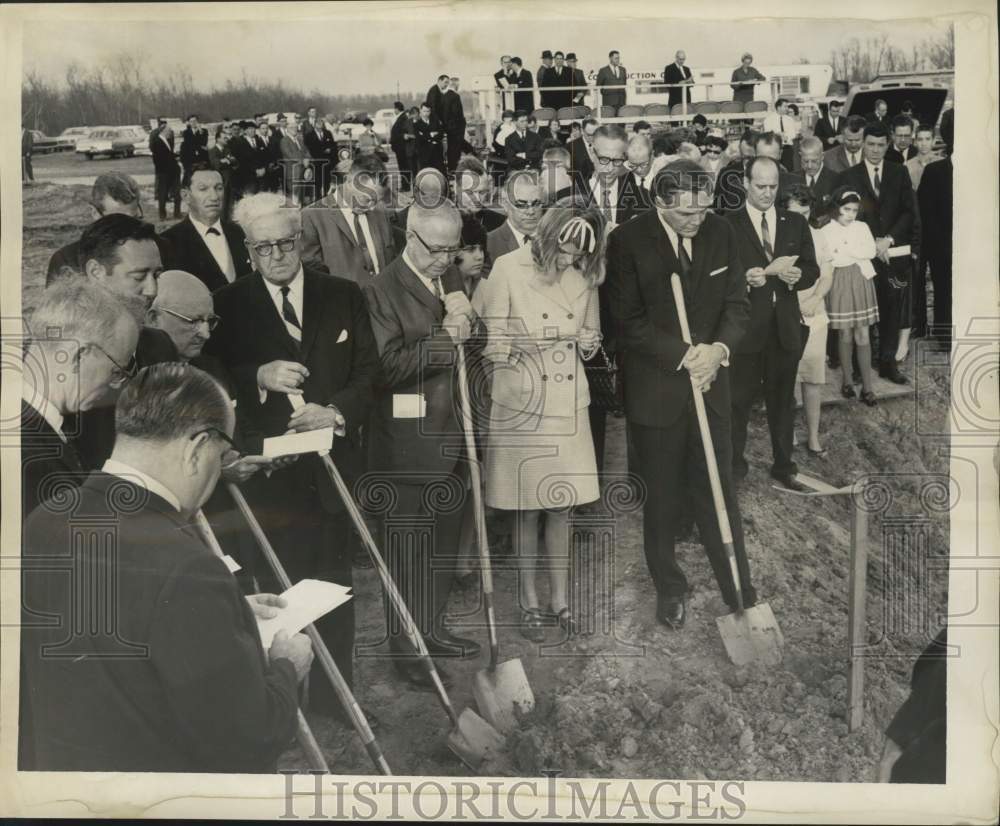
680	236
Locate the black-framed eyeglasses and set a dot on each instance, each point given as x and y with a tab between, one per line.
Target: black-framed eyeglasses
536	204
211	319
604	161
231	454
265	248
436	250
120	376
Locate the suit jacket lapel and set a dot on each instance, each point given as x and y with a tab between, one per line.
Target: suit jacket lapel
662	249
207	260
268	317
746	225
312	311
237	249
341	222
418	290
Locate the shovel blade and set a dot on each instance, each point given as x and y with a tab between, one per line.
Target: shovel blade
752	636
500	692
474	740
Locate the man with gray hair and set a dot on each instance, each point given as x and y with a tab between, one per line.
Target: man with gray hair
420	314
288	330
167	672
820	180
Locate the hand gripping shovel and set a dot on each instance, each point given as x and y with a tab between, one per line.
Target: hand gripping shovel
753	633
504	685
307	741
343	691
471	738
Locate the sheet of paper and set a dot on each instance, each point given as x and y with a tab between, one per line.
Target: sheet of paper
899	252
308	600
310	441
780	264
409	406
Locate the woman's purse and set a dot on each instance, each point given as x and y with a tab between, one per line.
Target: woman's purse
605	385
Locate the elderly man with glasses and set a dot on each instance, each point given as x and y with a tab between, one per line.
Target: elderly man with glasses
287	330
521	199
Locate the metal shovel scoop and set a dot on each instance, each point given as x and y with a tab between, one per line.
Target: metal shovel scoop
752	633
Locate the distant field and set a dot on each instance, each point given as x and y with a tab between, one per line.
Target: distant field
61	166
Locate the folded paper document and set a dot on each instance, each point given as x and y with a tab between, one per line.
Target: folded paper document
409	406
781	264
310	441
308	600
899	252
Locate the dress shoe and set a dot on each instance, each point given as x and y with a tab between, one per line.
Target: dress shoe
415	672
671	611
789	481
891	373
445	644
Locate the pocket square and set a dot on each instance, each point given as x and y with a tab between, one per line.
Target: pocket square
716	272
343	337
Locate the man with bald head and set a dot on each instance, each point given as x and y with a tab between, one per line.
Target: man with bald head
521	199
287	330
678	73
419	321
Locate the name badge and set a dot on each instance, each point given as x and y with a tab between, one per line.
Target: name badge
409	406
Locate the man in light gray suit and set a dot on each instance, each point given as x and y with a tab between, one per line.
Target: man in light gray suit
347	233
614	74
522	203
848	153
296	162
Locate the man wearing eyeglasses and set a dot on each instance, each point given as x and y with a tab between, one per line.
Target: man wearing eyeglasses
606	188
418	323
284	330
521	199
167	674
204	244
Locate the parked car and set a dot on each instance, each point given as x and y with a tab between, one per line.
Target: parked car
74	134
114	142
43	144
384	119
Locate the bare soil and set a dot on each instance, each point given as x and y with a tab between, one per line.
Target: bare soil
629	698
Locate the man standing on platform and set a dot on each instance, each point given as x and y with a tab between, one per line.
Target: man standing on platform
614	74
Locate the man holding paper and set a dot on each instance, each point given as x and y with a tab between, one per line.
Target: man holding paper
776	250
287	330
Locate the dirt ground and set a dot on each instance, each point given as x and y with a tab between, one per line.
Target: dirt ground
629	698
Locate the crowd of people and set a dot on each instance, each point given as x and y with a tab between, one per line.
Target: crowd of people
291	276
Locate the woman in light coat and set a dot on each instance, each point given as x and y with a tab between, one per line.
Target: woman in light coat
541	313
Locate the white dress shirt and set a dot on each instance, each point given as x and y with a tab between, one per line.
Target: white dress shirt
676	241
596	188
366	230
44	407
218	246
784	125
519	236
142	480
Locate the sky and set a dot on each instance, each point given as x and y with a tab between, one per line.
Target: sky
369	55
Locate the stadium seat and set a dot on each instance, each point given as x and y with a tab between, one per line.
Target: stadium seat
544	115
607	111
629	111
582	111
755	106
678	109
706	107
656	109
566	114
730	107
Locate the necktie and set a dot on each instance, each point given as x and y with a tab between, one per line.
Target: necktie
288	311
765	237
781	124
606	201
684	259
854	159
436	283
212	231
363	244
878	183
811	182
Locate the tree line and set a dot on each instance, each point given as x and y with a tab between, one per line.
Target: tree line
121	92
858	61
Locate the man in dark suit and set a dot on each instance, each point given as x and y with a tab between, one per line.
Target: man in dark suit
525	98
679	236
454	122
678	72
902	148
168	173
418	323
288	330
578	80
614	74
523	147
888	207
167	673
521	199
881	114
435	97
820	180
581	150
827	128
767	356
401	147
429	133
559	74
250	166
848	152
322	147
194	144
203	244
347	234
505	79
935	197
545	65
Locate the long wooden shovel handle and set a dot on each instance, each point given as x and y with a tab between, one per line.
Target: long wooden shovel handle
314	756
706	440
485	567
340	687
409	626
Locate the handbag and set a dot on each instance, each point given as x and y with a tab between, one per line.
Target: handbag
605	384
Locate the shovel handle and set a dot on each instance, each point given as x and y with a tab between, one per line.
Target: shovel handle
714	480
343	691
485	568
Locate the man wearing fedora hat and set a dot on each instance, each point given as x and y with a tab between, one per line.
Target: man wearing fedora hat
557	75
579	81
546	65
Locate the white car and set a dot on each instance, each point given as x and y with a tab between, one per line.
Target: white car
114	142
384	119
75	133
